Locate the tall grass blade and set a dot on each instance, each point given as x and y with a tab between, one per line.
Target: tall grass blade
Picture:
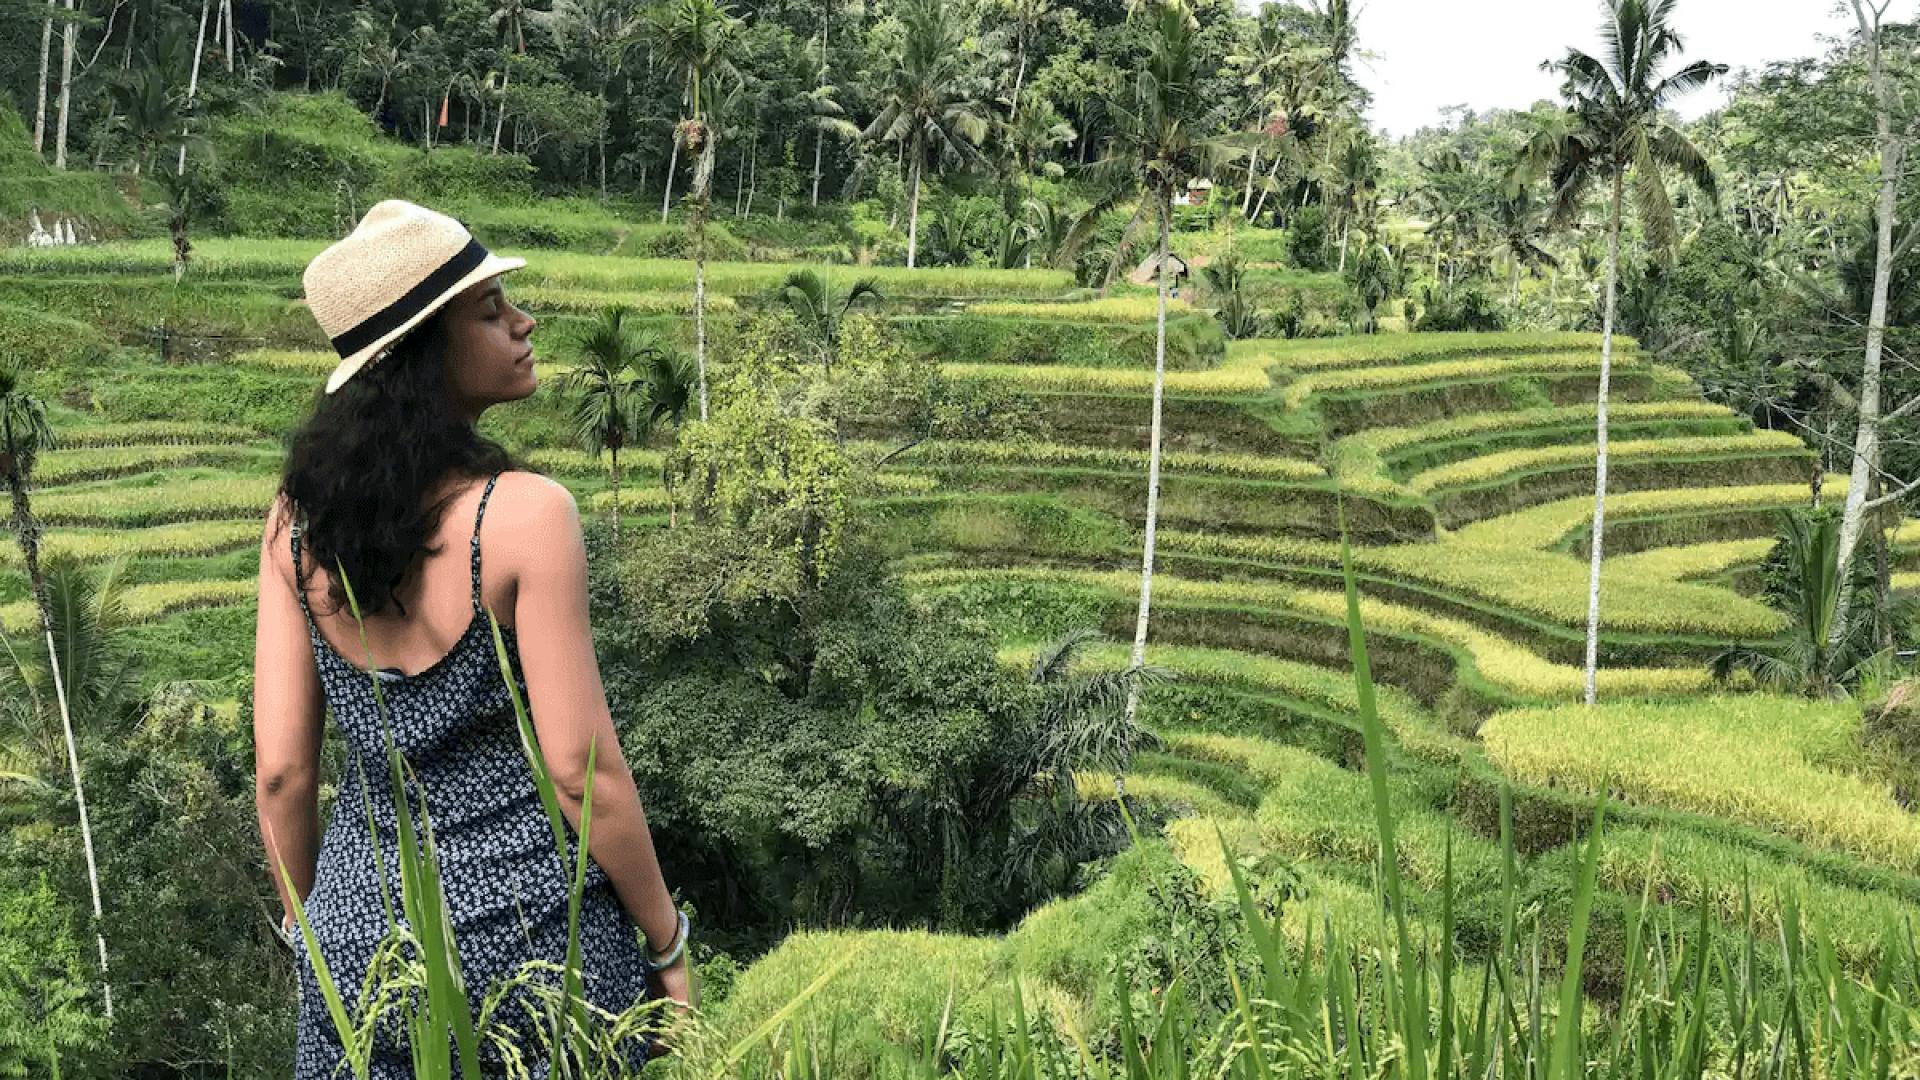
1568	1060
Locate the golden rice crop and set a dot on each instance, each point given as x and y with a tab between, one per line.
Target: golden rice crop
161	541
1053	454
1501	662
1179	797
74	466
541	299
1404	375
633	462
1694	871
1688	561
1312	354
1046	378
152	433
310	361
1545	525
1490	467
1361	452
1543	584
1114	309
1766	761
174	499
146	603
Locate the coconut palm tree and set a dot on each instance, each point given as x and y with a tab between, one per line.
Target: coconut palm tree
1616	101
698	37
820	310
932	108
1161	142
625	384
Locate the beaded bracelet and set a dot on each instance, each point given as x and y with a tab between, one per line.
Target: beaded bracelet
671	955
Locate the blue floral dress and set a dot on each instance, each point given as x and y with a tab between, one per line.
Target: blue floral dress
506	888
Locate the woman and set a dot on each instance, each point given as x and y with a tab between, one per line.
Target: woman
390	482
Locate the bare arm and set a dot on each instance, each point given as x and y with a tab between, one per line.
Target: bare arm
569	704
288	721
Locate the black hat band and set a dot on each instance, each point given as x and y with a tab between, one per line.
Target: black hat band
418	299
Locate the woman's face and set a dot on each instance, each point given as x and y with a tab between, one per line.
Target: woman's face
489	359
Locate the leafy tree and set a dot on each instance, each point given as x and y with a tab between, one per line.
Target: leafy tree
1616	101
931	108
819	309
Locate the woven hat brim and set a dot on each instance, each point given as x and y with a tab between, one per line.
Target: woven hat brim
349	366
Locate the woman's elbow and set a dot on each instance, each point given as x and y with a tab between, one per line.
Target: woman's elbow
280	785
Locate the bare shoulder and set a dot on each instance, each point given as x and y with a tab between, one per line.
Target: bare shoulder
537	516
530	499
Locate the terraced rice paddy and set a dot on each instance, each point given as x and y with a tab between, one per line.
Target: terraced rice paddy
1461	464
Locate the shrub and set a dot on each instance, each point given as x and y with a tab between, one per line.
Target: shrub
1459	307
1307	247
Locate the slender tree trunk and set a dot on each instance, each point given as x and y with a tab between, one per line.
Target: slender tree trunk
66	90
614	475
913	219
40	107
226	8
1866	442
126	51
1273	177
500	119
193	82
673	158
753	176
1253	169
1600	443
606	110
1160	199
702	193
819	137
1345	226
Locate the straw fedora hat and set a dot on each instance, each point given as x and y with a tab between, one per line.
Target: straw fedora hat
401	264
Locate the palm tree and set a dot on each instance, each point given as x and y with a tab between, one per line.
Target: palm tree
1035	128
1616	102
1159	144
608	28
819	309
1805	657
698	37
90	670
619	397
931	101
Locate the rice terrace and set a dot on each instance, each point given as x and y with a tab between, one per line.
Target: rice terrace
881	347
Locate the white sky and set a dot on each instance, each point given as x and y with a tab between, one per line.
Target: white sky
1486	53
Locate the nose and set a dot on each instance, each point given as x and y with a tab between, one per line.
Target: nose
531	322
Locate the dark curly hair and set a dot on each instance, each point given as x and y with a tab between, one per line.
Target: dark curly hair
359	470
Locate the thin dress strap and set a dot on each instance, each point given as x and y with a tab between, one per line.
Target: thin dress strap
299	586
477	516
